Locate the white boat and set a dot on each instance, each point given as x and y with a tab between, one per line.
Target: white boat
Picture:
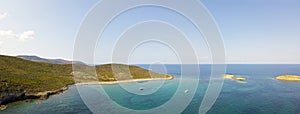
186	91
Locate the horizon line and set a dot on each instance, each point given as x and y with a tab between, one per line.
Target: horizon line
204	63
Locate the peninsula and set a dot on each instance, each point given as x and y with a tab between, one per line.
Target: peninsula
291	78
22	79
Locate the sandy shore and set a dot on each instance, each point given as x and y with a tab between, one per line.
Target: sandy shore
123	81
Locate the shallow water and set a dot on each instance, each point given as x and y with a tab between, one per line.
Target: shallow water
259	94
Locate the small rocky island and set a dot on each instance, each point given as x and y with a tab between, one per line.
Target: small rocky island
291	78
233	77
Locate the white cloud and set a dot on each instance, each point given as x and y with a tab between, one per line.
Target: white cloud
7	34
3	15
27	35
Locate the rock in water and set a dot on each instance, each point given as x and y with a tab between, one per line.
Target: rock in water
3	107
141	88
233	77
292	78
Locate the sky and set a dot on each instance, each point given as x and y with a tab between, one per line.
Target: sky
253	31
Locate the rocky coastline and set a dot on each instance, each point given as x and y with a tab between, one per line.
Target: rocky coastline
10	97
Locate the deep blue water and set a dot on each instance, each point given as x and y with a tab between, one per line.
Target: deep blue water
259	94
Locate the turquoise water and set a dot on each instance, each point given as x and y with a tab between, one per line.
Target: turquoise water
260	94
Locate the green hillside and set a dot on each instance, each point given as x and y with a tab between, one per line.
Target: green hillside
19	76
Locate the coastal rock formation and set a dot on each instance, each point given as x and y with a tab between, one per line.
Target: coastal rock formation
292	78
8	97
3	107
233	77
45	95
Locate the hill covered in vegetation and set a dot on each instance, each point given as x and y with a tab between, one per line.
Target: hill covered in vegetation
23	79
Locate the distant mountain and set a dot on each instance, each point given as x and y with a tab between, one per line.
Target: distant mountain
54	61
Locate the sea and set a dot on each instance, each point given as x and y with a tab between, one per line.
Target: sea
187	93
